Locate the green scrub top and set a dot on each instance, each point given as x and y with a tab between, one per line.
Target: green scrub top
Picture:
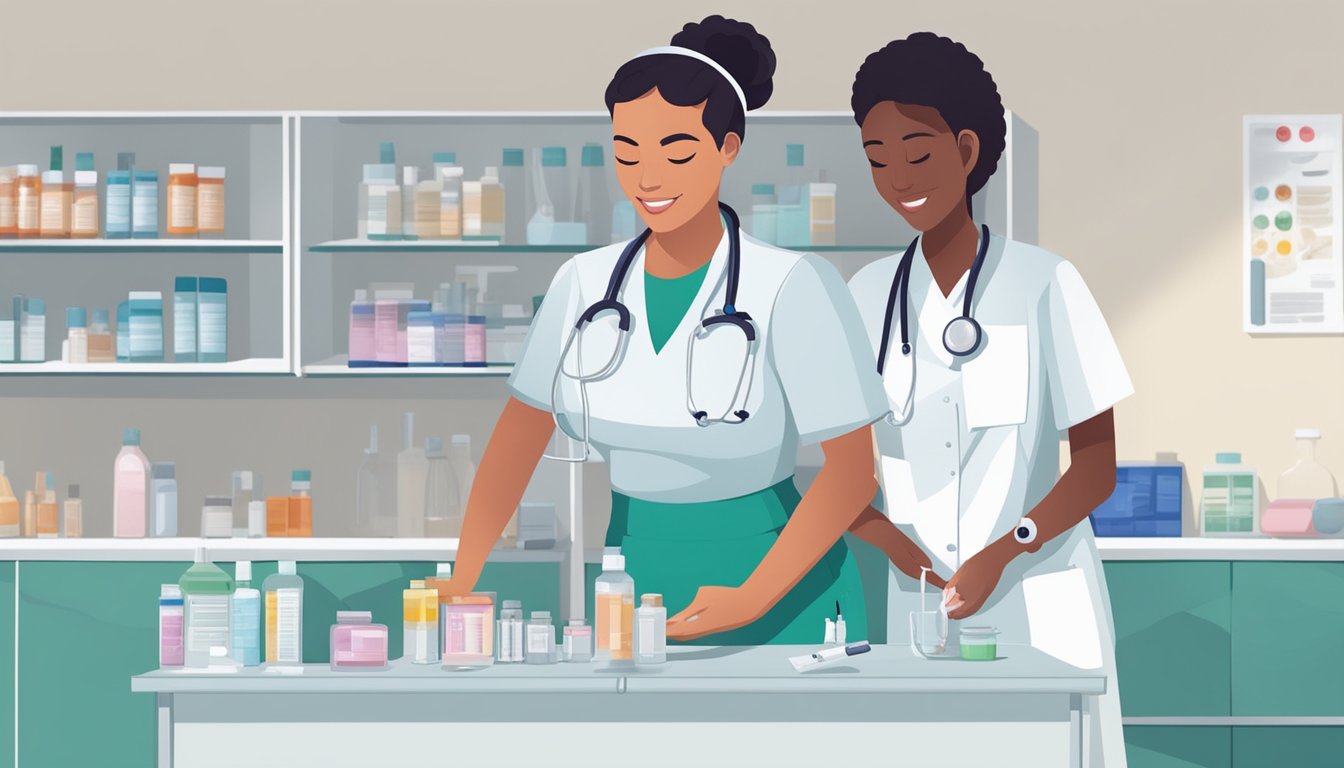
668	300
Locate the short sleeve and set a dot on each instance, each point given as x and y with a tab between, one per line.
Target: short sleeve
820	354
534	374
1085	372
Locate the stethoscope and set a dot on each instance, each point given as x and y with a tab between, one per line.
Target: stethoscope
729	316
961	337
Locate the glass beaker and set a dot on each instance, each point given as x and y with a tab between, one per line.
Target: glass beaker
1308	478
928	627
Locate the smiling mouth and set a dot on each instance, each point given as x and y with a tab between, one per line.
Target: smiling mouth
915	204
658	205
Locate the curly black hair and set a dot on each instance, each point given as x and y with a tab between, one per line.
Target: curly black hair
932	71
685	82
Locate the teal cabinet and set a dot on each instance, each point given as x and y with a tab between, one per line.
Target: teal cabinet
1300	747
7	661
1168	746
1287	632
1173	641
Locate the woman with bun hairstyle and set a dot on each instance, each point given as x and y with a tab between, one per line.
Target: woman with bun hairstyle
695	360
990	351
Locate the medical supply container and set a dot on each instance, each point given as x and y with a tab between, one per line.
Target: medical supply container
9	507
1307	478
130	487
277	515
182	185
246	489
27	202
540	638
425	210
362	352
578	644
450	200
979	643
410	177
124	332
206	590
77	336
185	298
9	224
510	631
494	204
48	511
615	592
284	615
117	224
210	200
163	495
212	320
651	630
1230	502
245	615
171	616
592	201
100	339
301	503
420	633
145	204
468	628
358	643
73	525
256	519
33	333
421	349
217	517
84	219
56	200
1146	501
380	198
146	326
443	509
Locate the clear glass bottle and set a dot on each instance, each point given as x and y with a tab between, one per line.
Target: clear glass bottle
443	511
373	486
163	491
245	613
615	592
246	489
578	647
651	630
217	517
510	632
540	638
206	589
1307	479
412	479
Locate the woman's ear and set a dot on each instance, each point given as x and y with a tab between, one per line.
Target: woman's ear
968	144
732	144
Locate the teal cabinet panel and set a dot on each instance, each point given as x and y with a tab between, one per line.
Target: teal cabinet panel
1287	632
7	661
1173	637
84	630
1300	747
1168	746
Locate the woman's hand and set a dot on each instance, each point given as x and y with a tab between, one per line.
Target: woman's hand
909	558
974	582
714	610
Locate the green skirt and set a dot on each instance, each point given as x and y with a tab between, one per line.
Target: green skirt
674	549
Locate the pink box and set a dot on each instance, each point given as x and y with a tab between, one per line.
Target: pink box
356	642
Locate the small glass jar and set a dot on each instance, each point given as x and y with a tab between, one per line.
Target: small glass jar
217	517
979	643
510	632
358	643
578	647
540	638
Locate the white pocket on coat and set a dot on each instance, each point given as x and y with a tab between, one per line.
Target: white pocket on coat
994	382
898	490
1062	619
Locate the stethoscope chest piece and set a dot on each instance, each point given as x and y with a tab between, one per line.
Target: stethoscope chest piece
962	336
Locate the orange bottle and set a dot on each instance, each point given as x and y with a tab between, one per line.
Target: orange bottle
9	189
277	515
27	206
301	503
182	188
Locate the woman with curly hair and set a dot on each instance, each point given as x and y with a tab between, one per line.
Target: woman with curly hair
989	350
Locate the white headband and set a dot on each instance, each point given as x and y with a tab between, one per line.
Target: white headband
677	50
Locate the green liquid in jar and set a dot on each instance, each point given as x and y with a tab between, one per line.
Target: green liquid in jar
980	652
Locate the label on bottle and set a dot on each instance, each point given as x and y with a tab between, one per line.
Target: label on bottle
54	214
646	638
85	216
181	206
207	624
284	625
27	217
210	208
538	639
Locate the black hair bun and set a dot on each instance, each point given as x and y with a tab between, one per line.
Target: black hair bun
738	48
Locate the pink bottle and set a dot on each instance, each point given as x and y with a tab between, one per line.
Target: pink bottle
171	641
130	486
356	642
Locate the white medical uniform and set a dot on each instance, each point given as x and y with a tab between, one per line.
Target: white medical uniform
813	376
981	448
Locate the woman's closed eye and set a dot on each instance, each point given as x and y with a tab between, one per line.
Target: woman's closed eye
681	160
919	160
876	164
627	162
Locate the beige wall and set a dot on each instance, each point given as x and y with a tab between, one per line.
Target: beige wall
1138	105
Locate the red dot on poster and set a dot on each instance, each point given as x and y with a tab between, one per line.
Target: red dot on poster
1284	133
1307	133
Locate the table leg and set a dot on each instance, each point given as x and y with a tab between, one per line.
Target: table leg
1077	757
165	728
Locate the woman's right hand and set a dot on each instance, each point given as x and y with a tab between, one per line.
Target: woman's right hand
458	586
878	530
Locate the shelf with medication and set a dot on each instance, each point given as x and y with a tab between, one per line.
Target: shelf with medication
139	238
346	157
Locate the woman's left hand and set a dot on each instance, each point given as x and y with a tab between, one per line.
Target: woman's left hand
714	610
974	582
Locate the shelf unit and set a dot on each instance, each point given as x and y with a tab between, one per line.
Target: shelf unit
253	147
339	366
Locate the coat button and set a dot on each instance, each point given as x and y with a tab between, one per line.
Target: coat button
947	399
948	444
954	473
951	547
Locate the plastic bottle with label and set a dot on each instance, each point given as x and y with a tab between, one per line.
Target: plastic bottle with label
206	590
284	616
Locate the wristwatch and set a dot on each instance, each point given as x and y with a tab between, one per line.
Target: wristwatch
1025	532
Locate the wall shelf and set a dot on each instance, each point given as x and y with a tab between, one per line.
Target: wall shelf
305	550
442	246
160	245
250	367
338	366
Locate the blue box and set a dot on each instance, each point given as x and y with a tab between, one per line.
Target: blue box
1146	502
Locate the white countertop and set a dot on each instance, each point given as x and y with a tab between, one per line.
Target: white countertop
699	669
435	550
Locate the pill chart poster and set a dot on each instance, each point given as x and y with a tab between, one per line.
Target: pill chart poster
1292	266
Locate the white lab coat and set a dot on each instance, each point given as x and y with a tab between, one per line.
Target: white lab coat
981	448
812	380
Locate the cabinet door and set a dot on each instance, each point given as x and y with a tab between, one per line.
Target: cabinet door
1287	632
1166	746
1173	648
1301	747
7	662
